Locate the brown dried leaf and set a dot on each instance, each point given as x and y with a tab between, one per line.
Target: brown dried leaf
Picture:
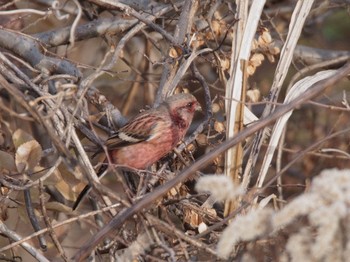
7	162
28	156
20	136
66	190
72	179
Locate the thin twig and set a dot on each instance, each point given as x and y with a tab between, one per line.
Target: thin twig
33	219
19	240
146	202
49	224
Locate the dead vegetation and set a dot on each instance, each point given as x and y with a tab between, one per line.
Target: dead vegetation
240	187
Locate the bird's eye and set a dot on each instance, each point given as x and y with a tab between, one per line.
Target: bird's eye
189	105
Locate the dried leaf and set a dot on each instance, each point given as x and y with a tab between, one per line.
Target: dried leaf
7	162
66	190
28	156
35	196
54	178
73	179
20	137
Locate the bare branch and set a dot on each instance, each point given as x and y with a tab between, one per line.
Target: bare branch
29	49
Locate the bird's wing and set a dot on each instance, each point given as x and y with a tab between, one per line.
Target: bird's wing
142	128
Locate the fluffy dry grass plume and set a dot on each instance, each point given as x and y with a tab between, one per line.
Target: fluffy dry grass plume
190	130
317	223
220	187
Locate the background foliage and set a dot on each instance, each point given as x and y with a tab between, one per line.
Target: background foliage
72	72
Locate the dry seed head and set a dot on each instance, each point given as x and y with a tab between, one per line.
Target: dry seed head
256	59
266	37
255	44
253	95
215	107
251	70
219	127
225	64
274	50
202	140
270	57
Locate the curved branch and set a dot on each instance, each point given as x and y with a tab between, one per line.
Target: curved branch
89	30
30	50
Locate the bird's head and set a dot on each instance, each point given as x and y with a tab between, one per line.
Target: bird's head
182	108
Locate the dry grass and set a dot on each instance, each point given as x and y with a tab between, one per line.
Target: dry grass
263	174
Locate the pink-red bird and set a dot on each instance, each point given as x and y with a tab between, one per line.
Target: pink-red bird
153	133
150	135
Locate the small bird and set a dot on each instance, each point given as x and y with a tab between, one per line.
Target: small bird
150	135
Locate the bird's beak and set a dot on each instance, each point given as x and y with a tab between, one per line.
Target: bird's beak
198	107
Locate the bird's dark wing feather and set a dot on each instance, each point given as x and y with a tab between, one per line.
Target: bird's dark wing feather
140	129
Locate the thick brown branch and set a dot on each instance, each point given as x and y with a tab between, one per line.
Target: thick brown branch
29	50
